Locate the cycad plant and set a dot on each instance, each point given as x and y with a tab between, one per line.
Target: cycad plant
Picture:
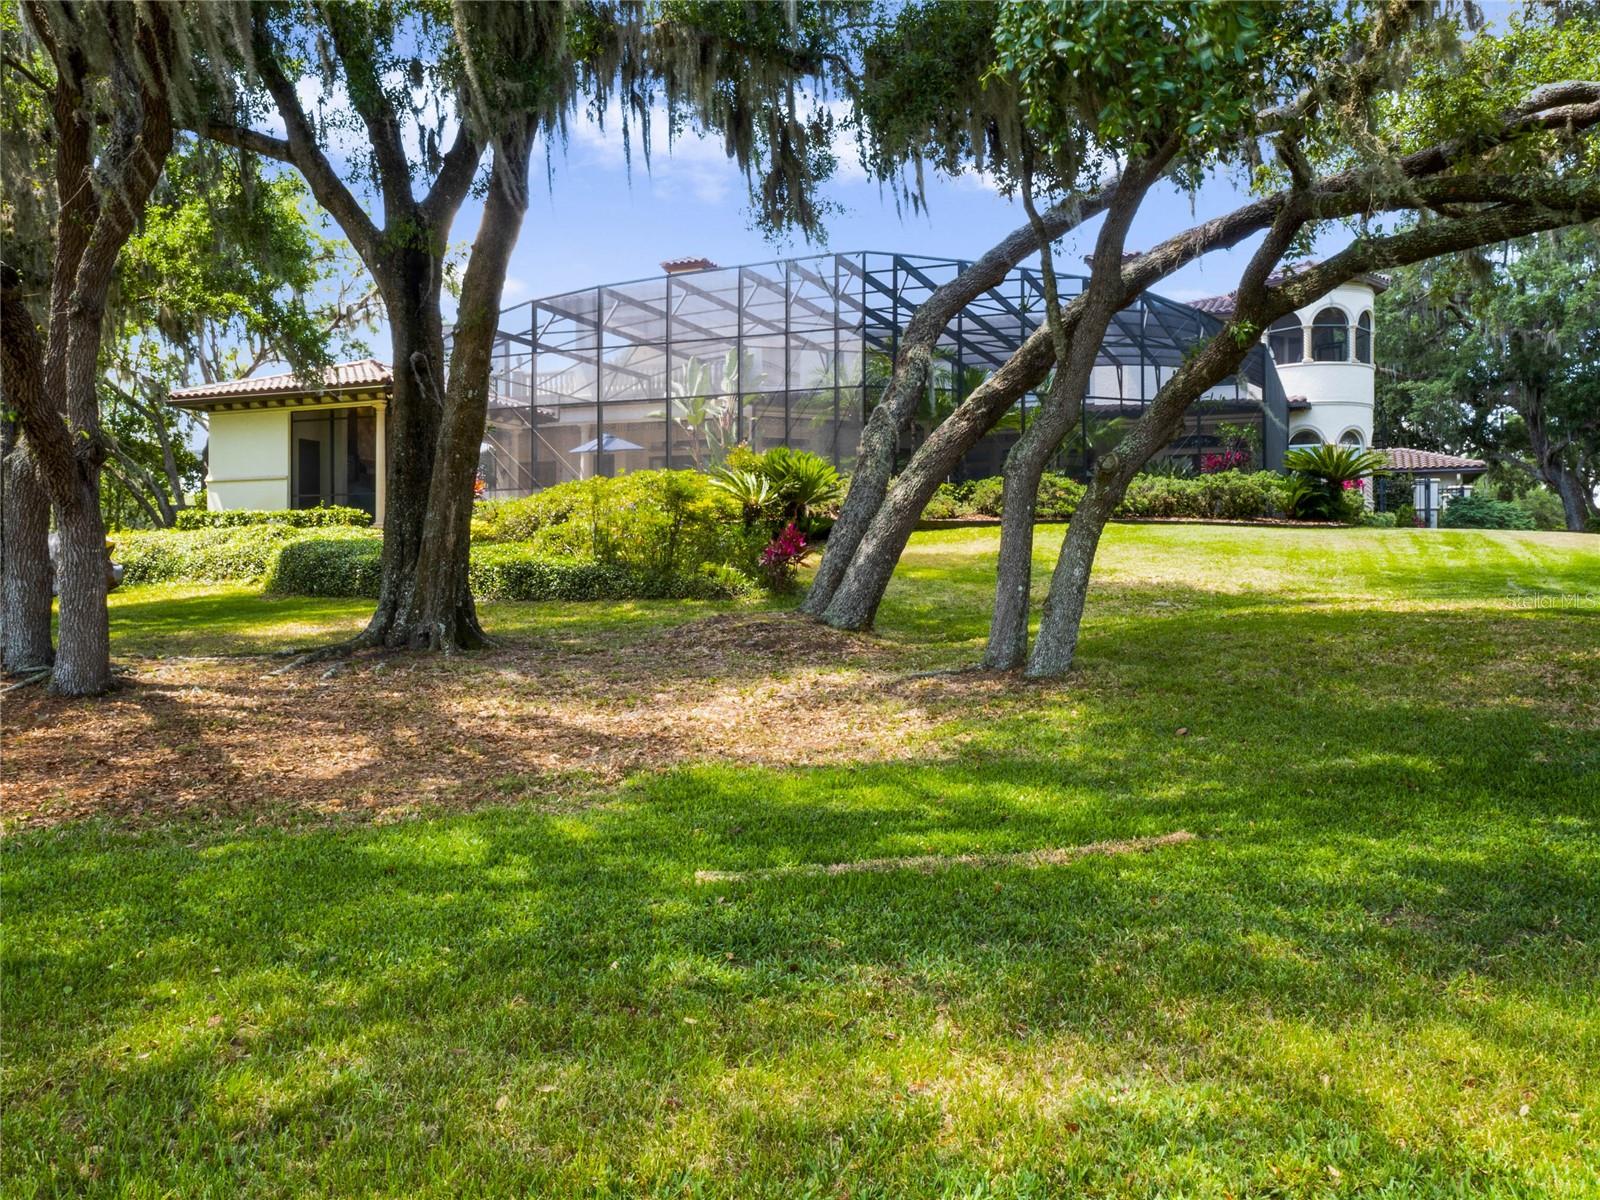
751	489
1330	474
803	482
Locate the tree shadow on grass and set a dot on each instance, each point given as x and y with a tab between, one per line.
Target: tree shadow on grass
1384	937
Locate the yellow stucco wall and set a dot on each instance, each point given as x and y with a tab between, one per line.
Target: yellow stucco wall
248	459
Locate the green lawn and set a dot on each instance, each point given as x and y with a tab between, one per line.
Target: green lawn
1373	973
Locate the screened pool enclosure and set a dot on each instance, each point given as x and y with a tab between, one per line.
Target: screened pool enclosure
674	370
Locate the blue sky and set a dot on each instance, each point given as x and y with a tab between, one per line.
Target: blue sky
596	222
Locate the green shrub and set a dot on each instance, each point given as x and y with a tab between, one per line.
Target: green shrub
1475	512
654	523
1224	495
1543	508
324	517
323	565
1058	497
944	504
1378	520
241	554
1405	516
987	496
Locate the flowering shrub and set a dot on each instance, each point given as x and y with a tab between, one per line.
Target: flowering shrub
1228	460
782	556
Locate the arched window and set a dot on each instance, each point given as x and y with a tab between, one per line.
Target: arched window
1352	438
1286	340
1364	338
1305	437
1330	336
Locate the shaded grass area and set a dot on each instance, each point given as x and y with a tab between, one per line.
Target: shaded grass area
1373	973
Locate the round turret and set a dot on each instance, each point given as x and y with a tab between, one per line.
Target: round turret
1323	354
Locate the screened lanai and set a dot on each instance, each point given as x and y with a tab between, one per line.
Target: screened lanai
674	370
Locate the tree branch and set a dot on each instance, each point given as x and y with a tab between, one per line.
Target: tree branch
308	157
453	181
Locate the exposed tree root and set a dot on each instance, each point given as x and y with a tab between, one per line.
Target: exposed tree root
37	677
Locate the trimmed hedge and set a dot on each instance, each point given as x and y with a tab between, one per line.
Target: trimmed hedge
324	517
1225	495
320	565
323	566
238	555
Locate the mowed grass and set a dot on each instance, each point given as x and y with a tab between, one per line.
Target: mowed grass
1376	972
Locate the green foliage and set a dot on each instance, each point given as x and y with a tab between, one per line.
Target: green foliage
241	553
1102	80
1476	512
665	524
780	487
1379	520
1498	354
317	565
323	566
1335	465
1332	481
1543	508
804	484
751	490
320	517
1224	495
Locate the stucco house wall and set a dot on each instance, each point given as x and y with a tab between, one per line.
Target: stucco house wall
1342	394
248	459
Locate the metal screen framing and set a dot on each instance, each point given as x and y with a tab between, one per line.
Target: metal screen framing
674	370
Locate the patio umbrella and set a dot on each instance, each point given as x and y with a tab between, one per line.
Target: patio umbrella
608	443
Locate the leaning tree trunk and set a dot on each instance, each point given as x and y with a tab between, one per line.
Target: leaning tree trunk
874	465
441	614
865	574
1077	351
855	601
25	575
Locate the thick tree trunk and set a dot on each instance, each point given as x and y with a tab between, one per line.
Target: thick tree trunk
874	465
1077	350
25	573
83	661
441	614
1069	586
1574	501
411	287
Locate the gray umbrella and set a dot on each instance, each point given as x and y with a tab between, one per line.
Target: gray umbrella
608	443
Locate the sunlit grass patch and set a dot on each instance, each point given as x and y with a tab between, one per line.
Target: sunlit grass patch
1371	973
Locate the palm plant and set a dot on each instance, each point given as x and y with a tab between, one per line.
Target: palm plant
752	489
1329	472
802	482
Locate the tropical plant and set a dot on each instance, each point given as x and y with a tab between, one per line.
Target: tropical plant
1335	465
751	488
803	483
1334	478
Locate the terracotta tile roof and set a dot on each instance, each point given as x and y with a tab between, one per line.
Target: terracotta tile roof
1402	458
674	266
1222	306
364	374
